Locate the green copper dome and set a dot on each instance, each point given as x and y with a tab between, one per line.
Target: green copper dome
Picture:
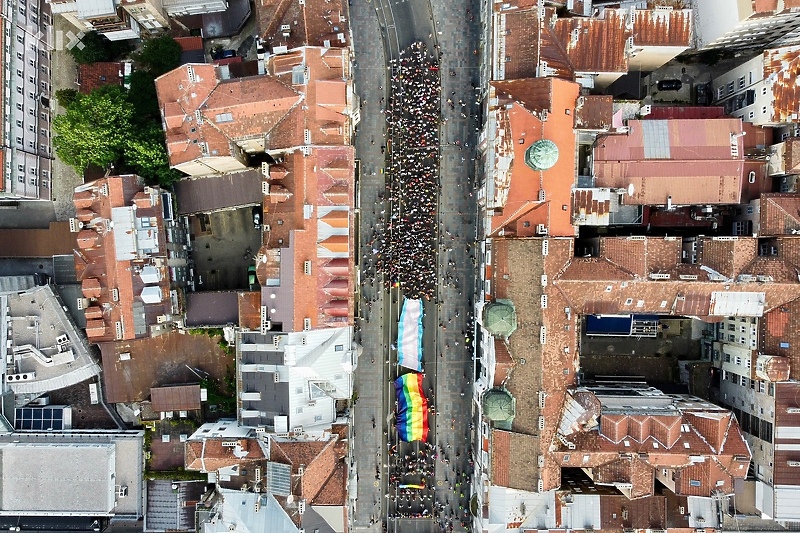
541	155
499	406
500	319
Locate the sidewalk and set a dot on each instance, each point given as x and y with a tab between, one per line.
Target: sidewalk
63	75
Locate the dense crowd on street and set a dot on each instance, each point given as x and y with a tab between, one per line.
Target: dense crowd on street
408	246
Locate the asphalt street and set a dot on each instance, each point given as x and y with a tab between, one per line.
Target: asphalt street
380	30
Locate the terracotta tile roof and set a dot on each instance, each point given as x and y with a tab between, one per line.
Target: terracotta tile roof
94	75
313	23
654	27
324	470
619	512
783	65
190	43
243	110
595	113
115	283
521	43
791	156
631	448
600	43
503	362
728	257
779	214
518	189
323	238
692	165
780	334
176	398
250	310
209	454
501	451
595	267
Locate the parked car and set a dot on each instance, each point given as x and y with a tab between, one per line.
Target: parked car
669	85
258	213
251	277
222	54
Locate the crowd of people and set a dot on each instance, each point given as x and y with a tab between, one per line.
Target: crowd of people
413	486
408	246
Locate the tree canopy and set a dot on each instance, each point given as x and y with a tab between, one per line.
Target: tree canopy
94	129
159	55
93	47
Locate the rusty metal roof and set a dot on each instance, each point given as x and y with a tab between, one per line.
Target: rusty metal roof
782	65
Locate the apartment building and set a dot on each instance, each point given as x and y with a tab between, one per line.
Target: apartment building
763	90
720	24
118	20
560	428
131	258
593	51
27	109
216	126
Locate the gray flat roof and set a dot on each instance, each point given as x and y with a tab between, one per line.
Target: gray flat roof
71	473
215	193
57	478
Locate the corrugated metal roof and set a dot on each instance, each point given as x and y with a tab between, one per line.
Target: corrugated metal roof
737	303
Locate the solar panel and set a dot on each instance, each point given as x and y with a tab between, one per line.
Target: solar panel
279	479
39	418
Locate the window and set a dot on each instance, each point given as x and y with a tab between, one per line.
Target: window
730	88
19	123
741	82
20	39
731	338
738	361
731	327
744	381
751	114
694	483
339	347
727	358
764	110
19	73
19	89
19	140
19	56
763	90
31	62
720	92
761	387
21	179
31	127
32	170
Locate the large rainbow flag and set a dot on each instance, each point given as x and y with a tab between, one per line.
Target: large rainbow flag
412	408
409	335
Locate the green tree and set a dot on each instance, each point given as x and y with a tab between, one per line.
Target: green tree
95	48
142	94
65	97
95	129
147	155
159	55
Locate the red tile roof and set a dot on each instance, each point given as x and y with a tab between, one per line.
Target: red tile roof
517	191
300	180
257	113
94	75
691	161
115	284
779	214
582	44
313	23
190	43
209	454
175	398
781	65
